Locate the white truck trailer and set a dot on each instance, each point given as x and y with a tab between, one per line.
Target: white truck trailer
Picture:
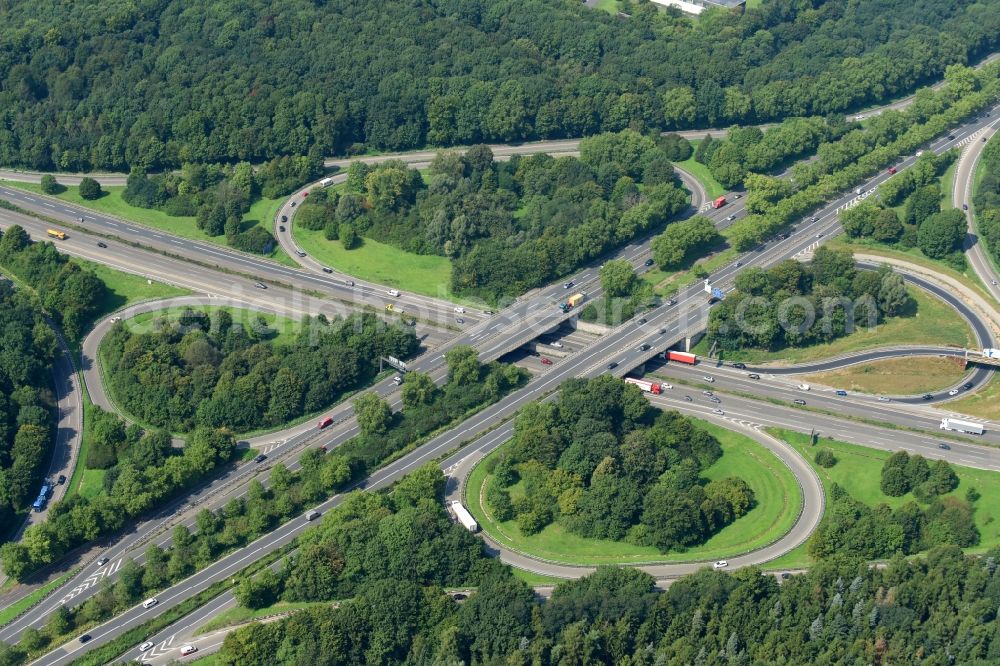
968	427
464	517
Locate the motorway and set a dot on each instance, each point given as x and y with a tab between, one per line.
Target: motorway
675	321
963	186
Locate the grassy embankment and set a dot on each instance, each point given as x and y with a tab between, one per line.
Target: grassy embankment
897	376
858	470
778	501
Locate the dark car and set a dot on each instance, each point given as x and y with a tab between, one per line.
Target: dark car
327	270
284	218
61	480
281	227
967	386
102	244
946	447
260	458
688	398
753	375
670	301
740	366
84	638
928	396
799	401
965	206
643	348
612	365
458	596
642	320
785	575
662	331
349	283
101	562
649	262
951	137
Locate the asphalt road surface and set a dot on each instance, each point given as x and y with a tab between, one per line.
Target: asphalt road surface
965	173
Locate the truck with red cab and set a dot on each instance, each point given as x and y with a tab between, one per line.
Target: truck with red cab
719	203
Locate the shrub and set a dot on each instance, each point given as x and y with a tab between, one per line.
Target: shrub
825	458
90	189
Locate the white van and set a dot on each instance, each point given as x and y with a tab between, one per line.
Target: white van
312	515
149	603
394	292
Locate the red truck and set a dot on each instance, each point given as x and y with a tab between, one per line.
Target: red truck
719	203
682	357
648	387
324	422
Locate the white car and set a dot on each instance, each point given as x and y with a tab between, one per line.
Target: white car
721	564
953	392
883	398
146	646
115	319
393	292
188	649
804	387
557	345
666	386
149	603
708	378
460	309
719	412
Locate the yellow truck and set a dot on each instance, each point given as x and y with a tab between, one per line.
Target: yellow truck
572	301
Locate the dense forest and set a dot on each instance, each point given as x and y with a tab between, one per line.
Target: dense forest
509	226
606	465
796	305
71	295
387	558
148	472
987	201
27	349
158	83
207	370
921	222
859	153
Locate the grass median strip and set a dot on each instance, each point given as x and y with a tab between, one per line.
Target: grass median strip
10	613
